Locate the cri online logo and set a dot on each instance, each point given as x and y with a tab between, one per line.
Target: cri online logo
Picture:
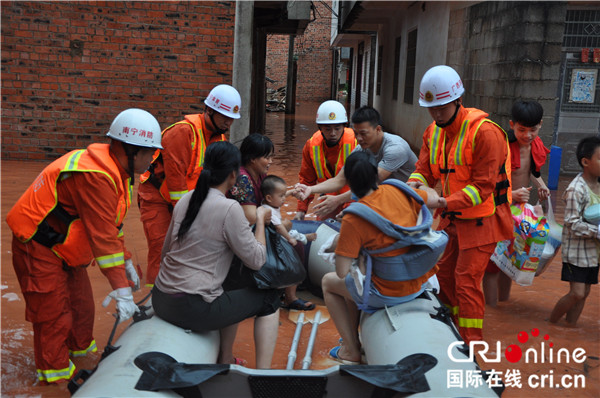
513	353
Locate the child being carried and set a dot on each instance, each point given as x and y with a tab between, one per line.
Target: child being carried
275	192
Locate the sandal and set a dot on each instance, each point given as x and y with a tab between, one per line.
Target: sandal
239	361
334	353
299	304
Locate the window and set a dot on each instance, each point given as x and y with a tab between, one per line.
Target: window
411	58
379	68
582	29
396	67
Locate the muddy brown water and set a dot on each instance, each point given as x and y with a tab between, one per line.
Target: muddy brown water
528	308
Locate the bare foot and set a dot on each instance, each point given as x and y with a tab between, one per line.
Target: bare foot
311	237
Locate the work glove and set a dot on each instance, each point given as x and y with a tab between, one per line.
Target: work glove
132	274
125	304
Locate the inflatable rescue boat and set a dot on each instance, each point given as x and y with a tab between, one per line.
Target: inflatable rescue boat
406	348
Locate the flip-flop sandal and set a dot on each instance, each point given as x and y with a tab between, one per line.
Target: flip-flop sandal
333	353
362	350
239	361
299	304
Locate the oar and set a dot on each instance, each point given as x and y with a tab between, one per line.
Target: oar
292	355
313	334
309	316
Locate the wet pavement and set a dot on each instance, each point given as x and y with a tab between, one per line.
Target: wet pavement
528	308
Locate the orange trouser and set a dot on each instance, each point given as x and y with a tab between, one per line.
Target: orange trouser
460	276
156	215
60	304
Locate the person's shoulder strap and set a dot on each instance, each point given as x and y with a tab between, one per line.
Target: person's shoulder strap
405	189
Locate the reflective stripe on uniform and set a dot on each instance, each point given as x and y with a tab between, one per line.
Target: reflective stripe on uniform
81	353
73	161
470	323
52	375
473	193
176	195
434	144
453	310
112	260
317	160
459	155
420	177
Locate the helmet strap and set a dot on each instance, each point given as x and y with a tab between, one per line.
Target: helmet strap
130	152
131	167
452	119
218	131
328	143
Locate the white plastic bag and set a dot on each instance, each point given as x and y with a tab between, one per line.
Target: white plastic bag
519	257
552	244
327	249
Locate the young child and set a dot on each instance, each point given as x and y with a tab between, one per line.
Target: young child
527	156
274	192
580	238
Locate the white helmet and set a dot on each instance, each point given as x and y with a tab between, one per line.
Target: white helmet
439	86
331	112
136	127
226	100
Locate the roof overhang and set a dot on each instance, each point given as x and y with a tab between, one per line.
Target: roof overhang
282	17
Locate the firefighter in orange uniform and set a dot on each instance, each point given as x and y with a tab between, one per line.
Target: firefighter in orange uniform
469	154
70	217
175	169
325	153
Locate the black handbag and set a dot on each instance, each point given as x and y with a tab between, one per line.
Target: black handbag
283	267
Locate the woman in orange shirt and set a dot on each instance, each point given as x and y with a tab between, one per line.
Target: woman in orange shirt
357	234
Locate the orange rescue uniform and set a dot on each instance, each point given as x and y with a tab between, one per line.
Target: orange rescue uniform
91	185
357	233
472	159
320	163
175	170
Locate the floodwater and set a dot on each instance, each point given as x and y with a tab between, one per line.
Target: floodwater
528	308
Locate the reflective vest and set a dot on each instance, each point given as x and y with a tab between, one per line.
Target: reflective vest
195	165
27	218
426	246
317	155
455	172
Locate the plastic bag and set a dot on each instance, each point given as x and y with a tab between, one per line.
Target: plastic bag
519	257
552	243
327	249
283	267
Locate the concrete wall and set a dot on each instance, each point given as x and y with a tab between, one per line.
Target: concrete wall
314	58
513	51
410	120
68	68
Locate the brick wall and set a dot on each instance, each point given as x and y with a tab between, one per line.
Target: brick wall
314	58
68	68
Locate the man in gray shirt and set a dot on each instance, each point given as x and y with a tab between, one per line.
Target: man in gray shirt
394	159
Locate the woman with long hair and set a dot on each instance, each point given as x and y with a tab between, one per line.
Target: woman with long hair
206	230
257	155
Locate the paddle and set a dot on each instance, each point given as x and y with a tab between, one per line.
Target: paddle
300	318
